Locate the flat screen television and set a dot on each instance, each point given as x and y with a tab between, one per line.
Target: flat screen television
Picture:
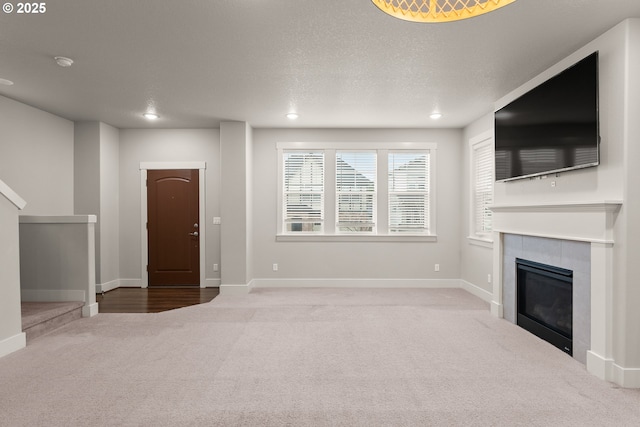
552	128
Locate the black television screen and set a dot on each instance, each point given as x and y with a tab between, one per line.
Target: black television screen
551	128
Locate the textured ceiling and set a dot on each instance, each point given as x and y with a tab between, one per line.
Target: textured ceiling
337	63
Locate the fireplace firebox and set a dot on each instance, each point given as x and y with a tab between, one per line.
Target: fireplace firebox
545	302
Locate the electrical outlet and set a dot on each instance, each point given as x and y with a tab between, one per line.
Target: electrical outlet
488	278
275	267
216	220
436	267
215	267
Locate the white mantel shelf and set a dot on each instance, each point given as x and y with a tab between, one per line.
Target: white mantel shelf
581	221
605	205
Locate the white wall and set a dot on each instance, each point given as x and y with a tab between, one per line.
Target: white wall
165	145
36	158
629	236
356	260
476	262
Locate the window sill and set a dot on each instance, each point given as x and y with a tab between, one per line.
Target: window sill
478	241
355	238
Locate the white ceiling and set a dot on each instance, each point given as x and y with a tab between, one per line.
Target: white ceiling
337	63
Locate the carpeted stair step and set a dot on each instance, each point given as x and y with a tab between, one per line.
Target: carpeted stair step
39	318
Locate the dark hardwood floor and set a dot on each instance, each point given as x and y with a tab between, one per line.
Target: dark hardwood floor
152	300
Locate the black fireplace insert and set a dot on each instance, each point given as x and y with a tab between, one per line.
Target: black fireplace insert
545	302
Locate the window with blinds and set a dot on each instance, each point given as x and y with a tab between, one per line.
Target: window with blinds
351	191
303	192
356	191
482	176
408	192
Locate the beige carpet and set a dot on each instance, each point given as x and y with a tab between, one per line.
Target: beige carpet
296	357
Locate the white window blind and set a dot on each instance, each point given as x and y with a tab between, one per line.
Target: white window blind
303	193
356	191
483	189
409	192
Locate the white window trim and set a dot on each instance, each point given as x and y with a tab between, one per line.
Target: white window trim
282	192
375	217
382	235
485	138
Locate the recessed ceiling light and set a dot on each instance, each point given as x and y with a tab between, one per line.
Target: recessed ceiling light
151	116
63	62
6	82
435	116
292	116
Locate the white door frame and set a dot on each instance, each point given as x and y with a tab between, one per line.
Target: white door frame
144	167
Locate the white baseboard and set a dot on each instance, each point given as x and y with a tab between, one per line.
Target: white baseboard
608	370
14	343
599	366
108	286
52	295
483	294
626	377
211	283
90	310
236	289
130	283
355	283
497	309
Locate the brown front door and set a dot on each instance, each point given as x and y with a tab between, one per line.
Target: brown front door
173	229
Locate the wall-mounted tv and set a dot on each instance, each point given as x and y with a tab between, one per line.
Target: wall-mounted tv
552	128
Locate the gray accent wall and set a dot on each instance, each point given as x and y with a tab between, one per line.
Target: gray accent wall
36	158
357	260
96	191
165	145
108	264
476	261
236	232
11	337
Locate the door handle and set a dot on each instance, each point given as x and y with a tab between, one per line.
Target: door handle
195	233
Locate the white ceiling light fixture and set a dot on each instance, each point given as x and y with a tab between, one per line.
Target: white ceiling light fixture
435	115
6	82
63	61
292	116
438	10
151	116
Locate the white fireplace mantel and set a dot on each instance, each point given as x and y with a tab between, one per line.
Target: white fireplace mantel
581	221
591	222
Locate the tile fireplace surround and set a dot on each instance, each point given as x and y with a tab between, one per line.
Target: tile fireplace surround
577	236
569	254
